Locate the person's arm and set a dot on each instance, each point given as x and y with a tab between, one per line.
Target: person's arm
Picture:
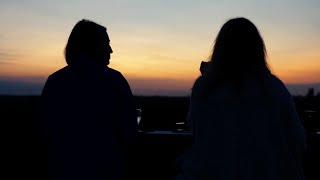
129	123
45	107
296	134
195	108
294	131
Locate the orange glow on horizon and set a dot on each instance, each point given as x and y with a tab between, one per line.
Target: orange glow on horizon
153	62
297	67
302	69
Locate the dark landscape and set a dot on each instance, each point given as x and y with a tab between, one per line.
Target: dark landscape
155	155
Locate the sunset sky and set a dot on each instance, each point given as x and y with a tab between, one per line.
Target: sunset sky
158	44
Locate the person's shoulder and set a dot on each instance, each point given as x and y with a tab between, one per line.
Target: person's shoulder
198	88
114	72
279	86
198	82
276	81
54	80
120	80
60	73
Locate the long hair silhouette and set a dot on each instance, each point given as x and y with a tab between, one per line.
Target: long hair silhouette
238	50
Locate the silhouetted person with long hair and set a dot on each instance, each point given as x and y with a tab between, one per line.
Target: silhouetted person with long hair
243	119
89	112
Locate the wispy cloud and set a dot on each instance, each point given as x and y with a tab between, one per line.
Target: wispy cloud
8	57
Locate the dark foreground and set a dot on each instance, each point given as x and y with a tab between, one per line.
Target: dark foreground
155	155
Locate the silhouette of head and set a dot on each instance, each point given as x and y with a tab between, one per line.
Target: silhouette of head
90	39
238	49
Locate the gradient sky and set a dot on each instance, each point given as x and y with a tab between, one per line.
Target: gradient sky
158	44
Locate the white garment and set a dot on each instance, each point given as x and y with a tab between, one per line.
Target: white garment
253	136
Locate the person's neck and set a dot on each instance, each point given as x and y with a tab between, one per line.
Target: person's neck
87	60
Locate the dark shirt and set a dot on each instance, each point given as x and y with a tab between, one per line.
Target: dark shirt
90	120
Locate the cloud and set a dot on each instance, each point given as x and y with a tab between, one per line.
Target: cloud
7	57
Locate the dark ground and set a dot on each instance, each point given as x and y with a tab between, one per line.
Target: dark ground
24	149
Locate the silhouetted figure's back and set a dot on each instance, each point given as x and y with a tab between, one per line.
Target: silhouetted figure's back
243	119
90	117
